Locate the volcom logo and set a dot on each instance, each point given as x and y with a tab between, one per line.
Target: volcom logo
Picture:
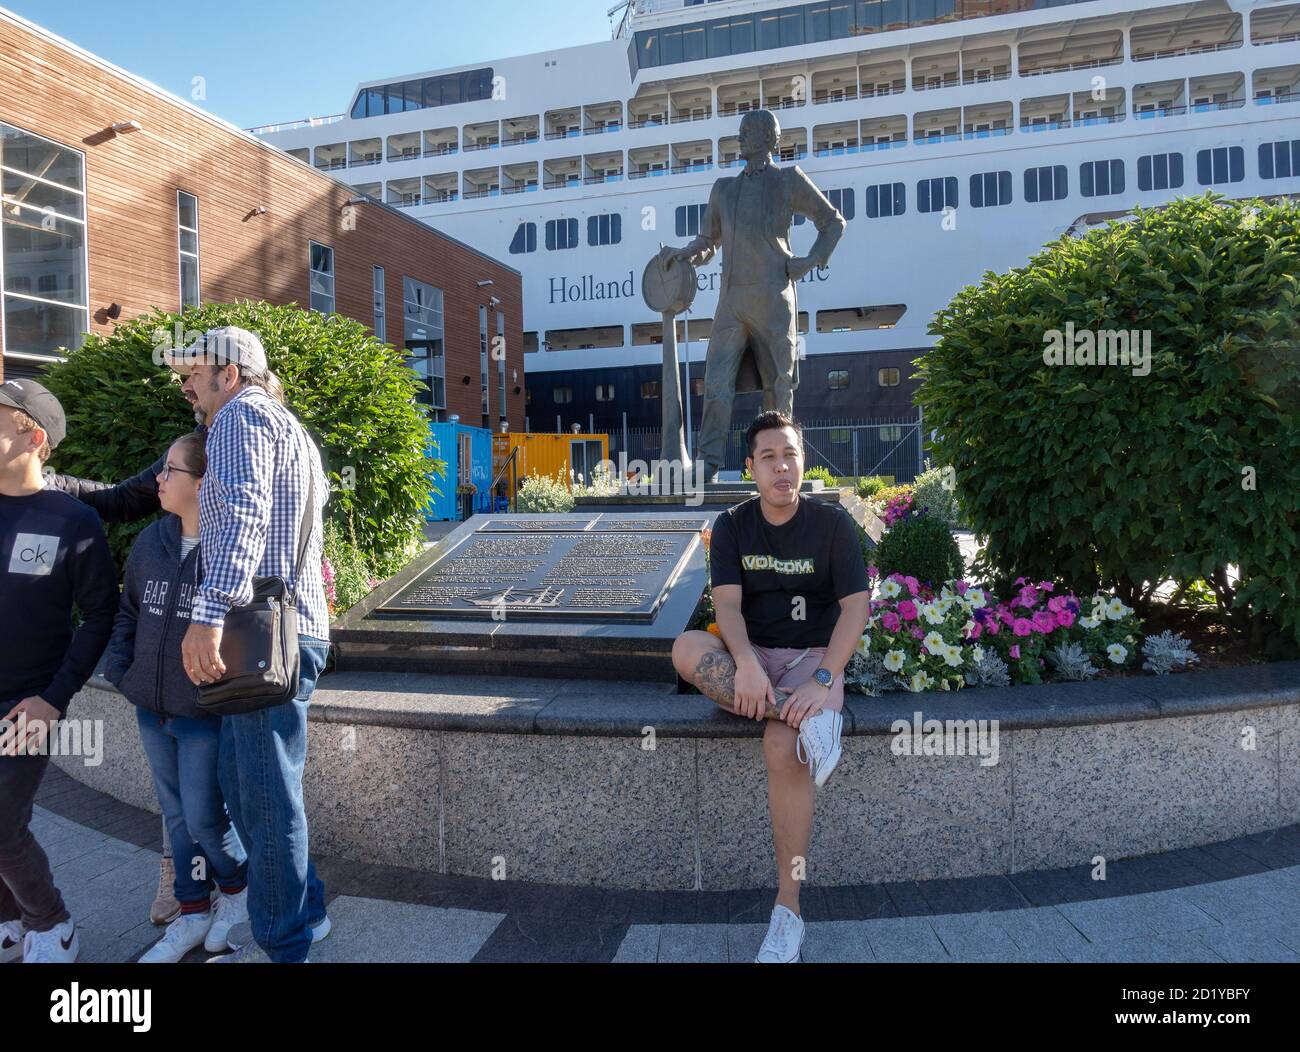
34	553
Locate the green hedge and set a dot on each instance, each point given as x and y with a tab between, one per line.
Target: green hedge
355	396
1100	476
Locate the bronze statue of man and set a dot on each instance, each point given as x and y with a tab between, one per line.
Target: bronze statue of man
749	216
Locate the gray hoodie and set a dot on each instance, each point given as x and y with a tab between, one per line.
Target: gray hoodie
144	655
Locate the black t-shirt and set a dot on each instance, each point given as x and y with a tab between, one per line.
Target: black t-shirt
815	556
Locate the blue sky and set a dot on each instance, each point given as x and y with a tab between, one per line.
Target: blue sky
265	61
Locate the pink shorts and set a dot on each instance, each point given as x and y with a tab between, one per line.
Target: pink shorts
787	667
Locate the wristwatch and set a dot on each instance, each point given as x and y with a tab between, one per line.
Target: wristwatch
824	677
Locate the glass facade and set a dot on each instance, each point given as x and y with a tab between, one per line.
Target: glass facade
810	24
423	335
501	366
44	244
473	85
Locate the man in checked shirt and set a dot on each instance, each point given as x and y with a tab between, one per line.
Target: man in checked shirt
251	506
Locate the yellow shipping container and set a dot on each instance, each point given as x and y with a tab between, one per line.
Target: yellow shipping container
550	454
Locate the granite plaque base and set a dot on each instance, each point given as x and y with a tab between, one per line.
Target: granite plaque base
594	594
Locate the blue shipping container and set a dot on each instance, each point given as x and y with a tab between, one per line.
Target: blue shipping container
468	455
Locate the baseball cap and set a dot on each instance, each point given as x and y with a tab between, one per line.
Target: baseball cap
37	402
227	345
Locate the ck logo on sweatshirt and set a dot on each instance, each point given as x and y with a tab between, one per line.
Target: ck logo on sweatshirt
34	553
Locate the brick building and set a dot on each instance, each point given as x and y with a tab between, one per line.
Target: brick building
119	197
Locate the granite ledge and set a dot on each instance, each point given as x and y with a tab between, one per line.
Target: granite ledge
589	708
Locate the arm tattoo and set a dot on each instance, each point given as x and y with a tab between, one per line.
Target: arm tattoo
715	678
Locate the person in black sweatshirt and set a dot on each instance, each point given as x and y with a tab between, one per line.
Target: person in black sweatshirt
53	555
182	742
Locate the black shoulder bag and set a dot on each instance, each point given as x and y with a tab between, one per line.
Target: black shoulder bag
259	641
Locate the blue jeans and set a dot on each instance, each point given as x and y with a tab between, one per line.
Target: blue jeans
263	754
183	756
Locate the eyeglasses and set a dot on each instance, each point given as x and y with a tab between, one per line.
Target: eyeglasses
167	472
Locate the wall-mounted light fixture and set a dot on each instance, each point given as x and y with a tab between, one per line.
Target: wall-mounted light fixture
114	310
260	210
494	301
485	284
465	379
126	127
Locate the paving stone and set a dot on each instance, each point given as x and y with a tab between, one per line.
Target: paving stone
693	944
838	942
1041	930
639	946
1123	918
904	939
1183	947
368	930
973	934
1256	941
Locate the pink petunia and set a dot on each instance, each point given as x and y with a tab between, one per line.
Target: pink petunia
1064	618
1015	652
1028	596
962	588
890	621
907	610
917	634
1056	604
913	585
1044	622
1023	627
976	630
873	572
992	627
1046	586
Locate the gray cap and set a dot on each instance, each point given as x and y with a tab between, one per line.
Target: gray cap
227	345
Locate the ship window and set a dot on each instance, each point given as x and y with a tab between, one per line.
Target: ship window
525	239
530	343
1049	183
791	27
605	229
843	200
1160	171
934	195
837	379
694	45
562	395
860	319
689	218
888	377
990	189
561	234
649	388
1100	178
1224	164
472	85
604	392
886	199
1279	160
670	46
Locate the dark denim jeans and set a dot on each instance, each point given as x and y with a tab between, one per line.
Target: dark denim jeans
183	756
27	890
262	759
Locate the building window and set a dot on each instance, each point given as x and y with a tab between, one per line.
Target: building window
888	377
891	434
485	403
1224	164
934	195
1279	160
562	395
501	365
561	234
837	379
1049	183
689	218
990	189
605	229
604	392
649	388
839	436
844	203
697	386
422	333
187	222
1101	178
886	199
1160	171
525	239
321	278
381	328
44	233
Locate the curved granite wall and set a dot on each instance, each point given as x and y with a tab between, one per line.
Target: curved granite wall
625	784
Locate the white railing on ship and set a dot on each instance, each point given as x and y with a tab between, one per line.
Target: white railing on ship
310	122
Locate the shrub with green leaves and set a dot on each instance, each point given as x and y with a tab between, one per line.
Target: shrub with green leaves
933	489
355	396
1125	476
919	546
870	487
820	472
347	571
546	494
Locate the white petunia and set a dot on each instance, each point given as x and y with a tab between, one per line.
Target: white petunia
933	643
933	613
952	655
1089	623
894	660
976	598
891	589
1116	609
978	654
1117	653
864	645
921	681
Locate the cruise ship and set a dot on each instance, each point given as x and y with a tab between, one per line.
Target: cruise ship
955	136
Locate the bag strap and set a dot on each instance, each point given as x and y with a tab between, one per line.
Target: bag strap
304	530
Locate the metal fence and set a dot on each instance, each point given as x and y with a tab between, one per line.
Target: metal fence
847	448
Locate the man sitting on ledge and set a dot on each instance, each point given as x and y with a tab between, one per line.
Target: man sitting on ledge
791	598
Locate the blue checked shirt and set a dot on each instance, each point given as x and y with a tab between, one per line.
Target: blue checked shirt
250	510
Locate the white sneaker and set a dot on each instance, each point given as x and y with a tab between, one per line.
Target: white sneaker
183	934
230	910
11	941
819	744
784	939
59	945
241	934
